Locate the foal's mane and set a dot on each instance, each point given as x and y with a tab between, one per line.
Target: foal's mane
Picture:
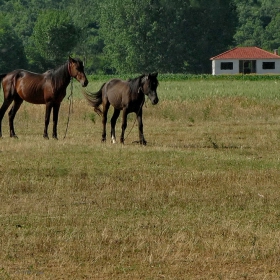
135	83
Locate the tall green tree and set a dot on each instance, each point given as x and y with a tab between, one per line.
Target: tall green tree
272	34
146	35
22	14
175	36
54	37
250	28
258	23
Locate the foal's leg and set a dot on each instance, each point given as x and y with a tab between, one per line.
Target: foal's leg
55	119
113	125
17	103
124	125
140	126
3	109
49	106
106	106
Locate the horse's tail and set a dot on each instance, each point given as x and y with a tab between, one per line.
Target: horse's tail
94	99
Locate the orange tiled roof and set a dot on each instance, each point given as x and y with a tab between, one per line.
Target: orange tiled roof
245	53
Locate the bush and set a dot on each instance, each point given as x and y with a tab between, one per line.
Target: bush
183	77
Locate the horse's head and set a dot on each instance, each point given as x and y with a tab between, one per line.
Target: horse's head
76	70
149	87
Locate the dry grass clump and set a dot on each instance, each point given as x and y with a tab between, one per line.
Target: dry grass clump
200	201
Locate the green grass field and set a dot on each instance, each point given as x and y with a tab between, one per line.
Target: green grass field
200	201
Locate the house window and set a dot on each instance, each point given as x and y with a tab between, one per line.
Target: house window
268	65
226	65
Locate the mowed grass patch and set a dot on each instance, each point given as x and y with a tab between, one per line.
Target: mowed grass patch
200	201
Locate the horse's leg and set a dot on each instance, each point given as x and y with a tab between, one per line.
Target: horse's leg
55	119
106	106
140	127
124	125
49	106
3	109
113	125
12	113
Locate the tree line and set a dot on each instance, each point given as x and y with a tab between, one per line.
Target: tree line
124	36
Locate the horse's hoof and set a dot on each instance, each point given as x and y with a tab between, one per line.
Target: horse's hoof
142	142
14	136
46	137
55	137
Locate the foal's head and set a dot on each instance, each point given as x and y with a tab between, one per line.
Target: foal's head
149	87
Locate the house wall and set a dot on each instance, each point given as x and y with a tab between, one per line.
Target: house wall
268	71
216	67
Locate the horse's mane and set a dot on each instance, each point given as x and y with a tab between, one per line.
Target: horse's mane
135	83
58	74
58	70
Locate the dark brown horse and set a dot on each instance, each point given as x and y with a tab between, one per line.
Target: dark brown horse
128	96
48	88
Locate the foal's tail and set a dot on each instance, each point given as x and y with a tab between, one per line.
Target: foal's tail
1	78
94	99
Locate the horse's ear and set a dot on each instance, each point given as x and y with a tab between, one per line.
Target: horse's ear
70	59
152	75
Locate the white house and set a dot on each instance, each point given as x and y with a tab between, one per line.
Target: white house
246	60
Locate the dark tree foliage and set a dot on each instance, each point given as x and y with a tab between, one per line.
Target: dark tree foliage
177	36
123	36
210	31
11	48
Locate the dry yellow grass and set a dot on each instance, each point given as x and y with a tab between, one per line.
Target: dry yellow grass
200	201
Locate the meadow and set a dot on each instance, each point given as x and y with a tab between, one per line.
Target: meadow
200	201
